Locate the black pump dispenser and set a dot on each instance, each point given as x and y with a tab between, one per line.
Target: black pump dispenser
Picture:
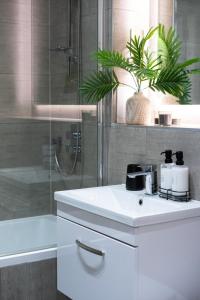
179	158
168	156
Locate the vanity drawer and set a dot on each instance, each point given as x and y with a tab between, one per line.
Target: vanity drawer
92	266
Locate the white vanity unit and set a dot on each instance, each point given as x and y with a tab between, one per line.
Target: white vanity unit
115	244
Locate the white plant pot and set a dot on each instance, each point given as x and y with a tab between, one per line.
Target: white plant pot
138	110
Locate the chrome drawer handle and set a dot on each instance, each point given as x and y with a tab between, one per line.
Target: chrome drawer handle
89	249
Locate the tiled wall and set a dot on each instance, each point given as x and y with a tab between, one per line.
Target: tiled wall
24	82
15	58
89	36
84	173
132	144
129	144
24	180
34	281
67	177
165	12
25	185
56	74
89	151
187	22
40	51
64	66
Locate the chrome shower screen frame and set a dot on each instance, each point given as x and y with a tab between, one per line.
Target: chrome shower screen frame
105	106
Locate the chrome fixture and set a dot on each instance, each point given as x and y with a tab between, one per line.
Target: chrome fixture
76	138
61	48
150	173
90	249
73	146
76	134
69	52
76	149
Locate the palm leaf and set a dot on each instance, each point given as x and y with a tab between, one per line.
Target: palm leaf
148	69
163	72
144	64
150	61
136	46
194	71
111	59
169	46
145	73
151	65
185	98
136	54
190	62
171	80
98	85
151	32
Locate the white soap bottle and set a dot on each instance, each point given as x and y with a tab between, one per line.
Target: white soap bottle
166	173
180	176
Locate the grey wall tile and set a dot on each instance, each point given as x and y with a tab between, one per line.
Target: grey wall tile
25	58
13	11
129	140
40	12
30	281
24	181
15	57
187	24
14	283
42	280
127	145
64	67
89	7
144	145
175	139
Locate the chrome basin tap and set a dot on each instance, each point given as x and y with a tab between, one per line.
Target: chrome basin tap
150	173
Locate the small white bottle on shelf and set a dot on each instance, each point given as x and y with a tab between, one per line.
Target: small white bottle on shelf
180	176
166	173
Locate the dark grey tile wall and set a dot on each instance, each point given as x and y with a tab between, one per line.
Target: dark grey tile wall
24	81
85	171
24	183
15	74
30	281
64	66
129	144
89	36
66	156
187	23
40	51
66	179
89	151
56	74
24	180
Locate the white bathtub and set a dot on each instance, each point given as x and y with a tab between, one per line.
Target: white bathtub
27	240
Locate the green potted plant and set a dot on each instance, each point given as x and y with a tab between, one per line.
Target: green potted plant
161	71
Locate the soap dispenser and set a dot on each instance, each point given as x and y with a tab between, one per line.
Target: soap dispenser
180	176
166	172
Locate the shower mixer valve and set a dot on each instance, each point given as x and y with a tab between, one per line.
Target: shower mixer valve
73	140
76	135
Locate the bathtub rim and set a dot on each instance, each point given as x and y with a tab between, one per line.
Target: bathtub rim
28	257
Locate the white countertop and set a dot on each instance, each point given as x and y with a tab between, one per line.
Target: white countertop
118	204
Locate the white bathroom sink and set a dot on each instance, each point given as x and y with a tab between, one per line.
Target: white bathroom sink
116	203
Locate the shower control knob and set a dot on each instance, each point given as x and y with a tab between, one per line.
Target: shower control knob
75	149
76	135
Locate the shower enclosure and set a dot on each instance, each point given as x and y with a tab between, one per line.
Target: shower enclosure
49	137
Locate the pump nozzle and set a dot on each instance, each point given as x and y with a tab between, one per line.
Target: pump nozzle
179	158
168	156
